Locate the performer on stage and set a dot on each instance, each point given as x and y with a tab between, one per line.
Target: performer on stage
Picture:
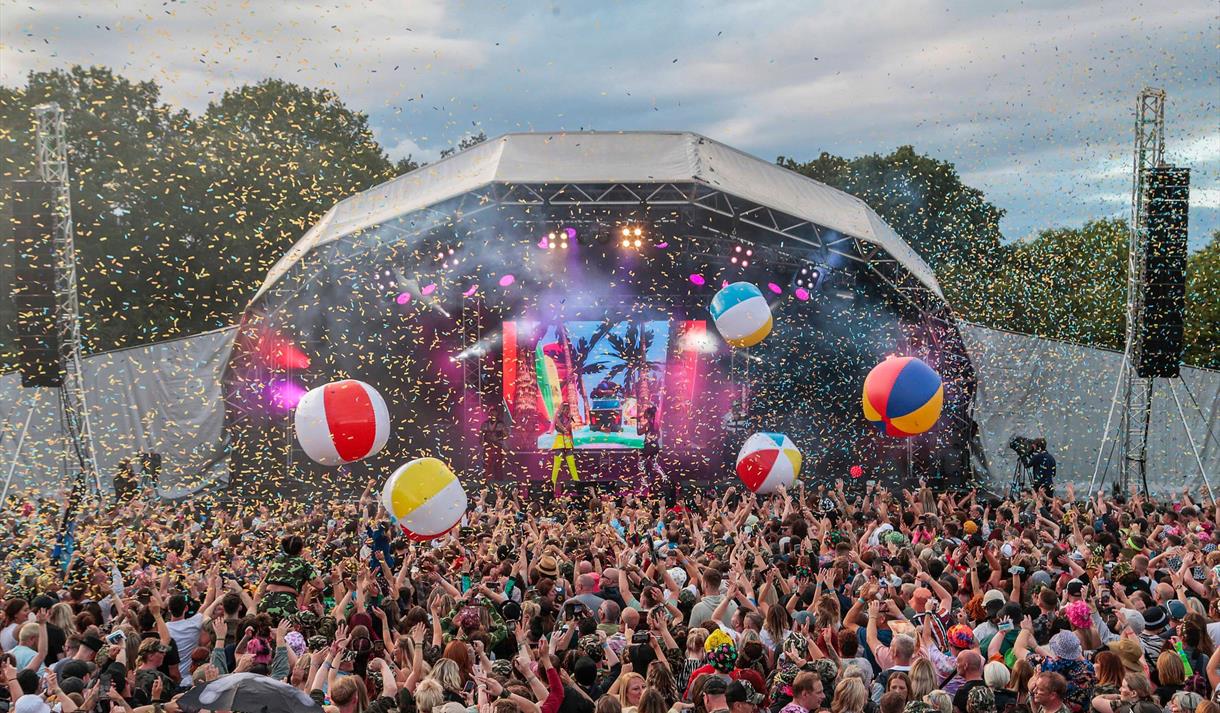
563	445
653	475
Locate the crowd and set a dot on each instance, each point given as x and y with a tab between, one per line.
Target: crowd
847	599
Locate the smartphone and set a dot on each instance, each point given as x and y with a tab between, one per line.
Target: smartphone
509	585
103	689
641	637
1005	626
115	637
1105	596
470	686
465	583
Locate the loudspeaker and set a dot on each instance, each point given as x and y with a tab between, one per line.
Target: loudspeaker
1164	272
33	290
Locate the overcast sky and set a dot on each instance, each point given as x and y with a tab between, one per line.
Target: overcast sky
1033	101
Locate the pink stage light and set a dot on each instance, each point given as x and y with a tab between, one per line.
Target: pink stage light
697	279
544	243
403	298
662	246
775	288
507	280
473	289
428	289
802	294
283	394
571	233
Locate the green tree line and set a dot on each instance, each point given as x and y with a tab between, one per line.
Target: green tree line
179	216
1064	283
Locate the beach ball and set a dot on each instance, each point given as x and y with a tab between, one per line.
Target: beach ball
903	396
342	422
424	498
741	314
856	471
766	461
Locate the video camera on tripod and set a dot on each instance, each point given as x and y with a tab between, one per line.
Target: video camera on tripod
1024	448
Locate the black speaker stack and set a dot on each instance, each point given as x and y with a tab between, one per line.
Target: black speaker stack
1160	353
33	289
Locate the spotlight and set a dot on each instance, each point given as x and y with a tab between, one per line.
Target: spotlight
638	231
737	249
550	245
627	243
638	242
745	263
627	231
749	253
733	259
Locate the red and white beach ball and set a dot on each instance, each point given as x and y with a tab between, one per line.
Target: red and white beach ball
342	422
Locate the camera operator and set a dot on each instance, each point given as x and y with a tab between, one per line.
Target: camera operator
1042	464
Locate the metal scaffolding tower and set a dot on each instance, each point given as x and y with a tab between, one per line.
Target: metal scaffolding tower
52	167
1136	391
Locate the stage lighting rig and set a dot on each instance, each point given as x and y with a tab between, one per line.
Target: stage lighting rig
742	254
632	237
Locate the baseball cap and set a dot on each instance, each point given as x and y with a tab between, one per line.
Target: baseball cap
742	691
1075	587
92	642
994	595
149	646
1134	619
715	685
1176	609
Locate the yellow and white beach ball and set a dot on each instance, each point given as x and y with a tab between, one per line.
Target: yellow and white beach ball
424	498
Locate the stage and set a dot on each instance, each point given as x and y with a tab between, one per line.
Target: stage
533	273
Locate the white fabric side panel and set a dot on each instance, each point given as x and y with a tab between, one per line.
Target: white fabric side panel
1062	392
163	398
